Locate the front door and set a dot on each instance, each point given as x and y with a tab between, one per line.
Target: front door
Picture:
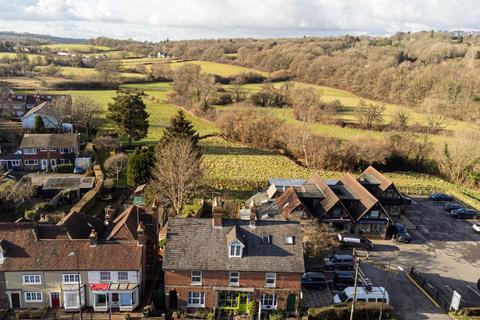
291	302
55	298
44	164
114	300
15	299
243	302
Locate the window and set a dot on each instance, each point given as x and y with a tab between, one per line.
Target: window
43	149
337	212
65	150
235	249
266	239
105	276
196	277
269	301
234	279
196	299
290	240
52	149
70	300
375	214
270	279
33	297
126	299
227	299
53	162
32	279
64	161
30	151
70	278
31	162
100	300
122	275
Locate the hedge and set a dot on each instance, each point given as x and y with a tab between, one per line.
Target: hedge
363	311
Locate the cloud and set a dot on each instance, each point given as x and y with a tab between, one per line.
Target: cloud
159	19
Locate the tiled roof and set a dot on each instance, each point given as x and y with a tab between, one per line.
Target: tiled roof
50	140
41	108
61	183
372	176
126	225
330	199
25	251
366	200
79	225
194	244
289	201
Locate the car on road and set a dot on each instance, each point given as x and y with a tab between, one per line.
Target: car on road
464	213
452	206
374	294
339	262
476	227
314	280
354	241
440	197
343	279
401	234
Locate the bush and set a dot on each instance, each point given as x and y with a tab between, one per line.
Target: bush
31	314
276	315
471	311
341	311
64	168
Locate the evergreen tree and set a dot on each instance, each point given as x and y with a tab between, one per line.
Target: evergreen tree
180	127
140	164
128	114
39	125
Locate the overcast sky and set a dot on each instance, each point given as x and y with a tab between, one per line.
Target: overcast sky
188	19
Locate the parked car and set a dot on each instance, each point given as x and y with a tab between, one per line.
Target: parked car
464	213
343	279
314	280
449	206
401	234
476	227
440	197
339	262
354	241
375	294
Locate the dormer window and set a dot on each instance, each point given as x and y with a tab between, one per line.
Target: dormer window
289	240
266	239
235	249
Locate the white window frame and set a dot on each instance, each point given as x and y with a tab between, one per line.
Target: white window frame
68	276
234	275
29	151
123	279
31	162
290	240
105	273
27	279
235	249
65	150
196	299
29	295
271	298
270	276
194	277
43	149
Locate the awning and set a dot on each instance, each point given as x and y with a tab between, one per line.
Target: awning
113	286
99	286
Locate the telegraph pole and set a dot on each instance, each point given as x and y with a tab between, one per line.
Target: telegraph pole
384	290
356	262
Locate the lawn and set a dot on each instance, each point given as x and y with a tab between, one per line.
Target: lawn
80	48
220	69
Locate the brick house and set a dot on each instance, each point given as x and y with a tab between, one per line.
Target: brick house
45	150
226	264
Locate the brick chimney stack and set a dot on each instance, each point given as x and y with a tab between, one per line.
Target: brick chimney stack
141	234
109	213
253	217
217	217
93	238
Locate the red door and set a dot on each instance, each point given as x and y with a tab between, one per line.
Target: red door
55	296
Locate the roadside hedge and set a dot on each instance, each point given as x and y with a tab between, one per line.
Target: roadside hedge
363	311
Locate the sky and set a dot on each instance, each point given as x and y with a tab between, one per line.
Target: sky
156	20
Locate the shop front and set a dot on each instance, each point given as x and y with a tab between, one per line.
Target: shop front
70	297
234	300
114	296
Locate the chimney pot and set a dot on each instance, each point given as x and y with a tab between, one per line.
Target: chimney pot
93	238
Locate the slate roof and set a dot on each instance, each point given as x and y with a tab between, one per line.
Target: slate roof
289	201
79	225
41	108
25	251
194	244
61	183
49	140
374	177
330	200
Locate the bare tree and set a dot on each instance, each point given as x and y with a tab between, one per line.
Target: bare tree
109	71
4	97
370	114
85	113
13	195
61	109
319	240
178	173
435	122
106	143
400	120
115	165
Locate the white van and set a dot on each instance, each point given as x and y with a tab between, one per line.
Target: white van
375	294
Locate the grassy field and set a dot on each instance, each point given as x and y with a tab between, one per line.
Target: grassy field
12	55
80	48
89	73
220	69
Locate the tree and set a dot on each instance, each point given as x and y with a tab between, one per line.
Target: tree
106	143
180	127
140	164
116	165
4	97
109	71
400	120
370	114
39	125
319	240
86	112
178	173
14	194
127	112
162	72
61	109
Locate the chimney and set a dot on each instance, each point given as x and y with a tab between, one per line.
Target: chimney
141	234
109	213
253	217
43	219
93	238
217	217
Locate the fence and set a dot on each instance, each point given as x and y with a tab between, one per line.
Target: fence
432	289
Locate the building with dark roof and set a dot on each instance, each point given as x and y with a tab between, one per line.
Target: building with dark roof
18	104
225	264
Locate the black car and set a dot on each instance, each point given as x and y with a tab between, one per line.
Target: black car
401	234
464	213
339	262
452	206
314	280
343	279
440	197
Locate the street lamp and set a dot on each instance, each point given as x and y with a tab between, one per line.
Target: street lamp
71	254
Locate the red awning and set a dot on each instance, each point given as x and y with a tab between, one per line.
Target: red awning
99	286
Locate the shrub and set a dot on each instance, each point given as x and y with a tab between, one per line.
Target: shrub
276	315
64	168
341	311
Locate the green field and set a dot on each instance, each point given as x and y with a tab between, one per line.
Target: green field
80	48
12	55
89	73
220	69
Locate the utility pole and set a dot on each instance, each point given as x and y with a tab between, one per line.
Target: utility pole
384	290
356	262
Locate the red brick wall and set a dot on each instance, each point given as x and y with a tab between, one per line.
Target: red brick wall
286	283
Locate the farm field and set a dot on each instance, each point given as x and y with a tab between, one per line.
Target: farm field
220	69
11	55
83	73
80	48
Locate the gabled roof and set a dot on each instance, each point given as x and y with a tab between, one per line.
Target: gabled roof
42	108
49	140
331	199
195	244
289	201
79	225
235	235
373	177
125	225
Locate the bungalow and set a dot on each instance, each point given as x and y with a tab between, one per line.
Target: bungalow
226	264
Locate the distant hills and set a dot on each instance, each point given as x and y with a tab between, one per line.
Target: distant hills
32	37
